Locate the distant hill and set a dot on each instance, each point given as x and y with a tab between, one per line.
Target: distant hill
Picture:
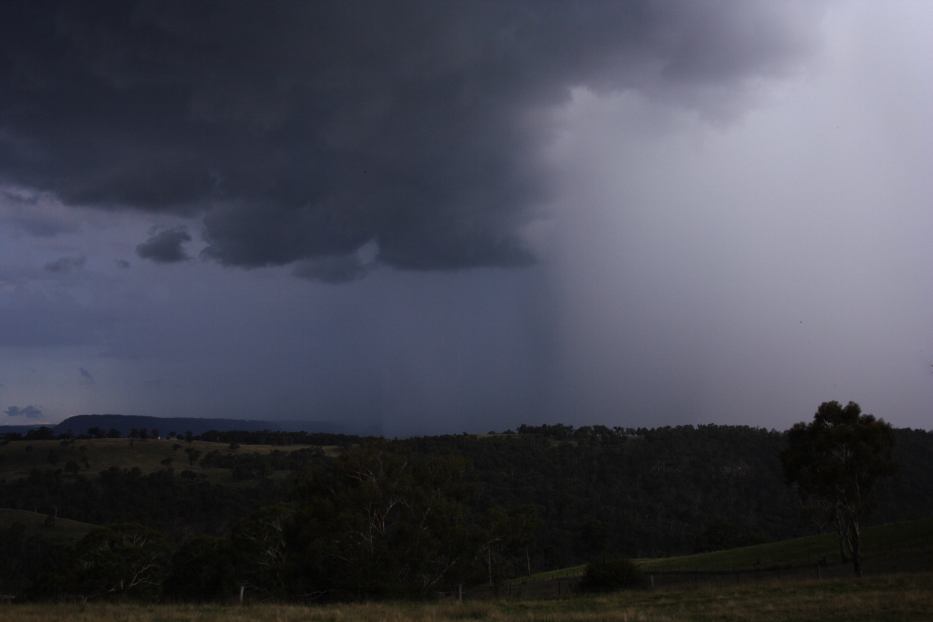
80	424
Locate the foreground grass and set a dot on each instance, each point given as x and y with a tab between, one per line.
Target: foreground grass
880	599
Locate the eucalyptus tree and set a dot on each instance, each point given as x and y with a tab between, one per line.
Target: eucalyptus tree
835	461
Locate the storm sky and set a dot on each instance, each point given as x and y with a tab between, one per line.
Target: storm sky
466	215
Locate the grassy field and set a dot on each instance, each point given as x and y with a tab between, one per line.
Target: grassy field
18	458
894	598
895	547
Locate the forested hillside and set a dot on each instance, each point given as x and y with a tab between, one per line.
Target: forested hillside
340	517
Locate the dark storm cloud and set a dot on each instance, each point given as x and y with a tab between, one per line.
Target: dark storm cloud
65	264
165	246
305	130
27	412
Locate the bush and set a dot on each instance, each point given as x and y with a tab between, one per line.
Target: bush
611	574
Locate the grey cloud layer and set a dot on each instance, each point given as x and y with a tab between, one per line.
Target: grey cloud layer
301	131
36	319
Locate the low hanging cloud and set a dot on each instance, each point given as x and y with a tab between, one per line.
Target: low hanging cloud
35	214
339	269
87	378
301	131
63	265
332	269
165	246
26	412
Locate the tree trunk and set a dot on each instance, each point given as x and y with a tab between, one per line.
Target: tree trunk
842	530
845	543
856	542
489	562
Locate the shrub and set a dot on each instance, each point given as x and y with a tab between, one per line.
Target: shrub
611	574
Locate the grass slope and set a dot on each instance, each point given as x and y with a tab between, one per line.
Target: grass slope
885	548
902	598
893	547
18	458
63	530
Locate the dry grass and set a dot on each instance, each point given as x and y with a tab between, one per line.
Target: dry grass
879	599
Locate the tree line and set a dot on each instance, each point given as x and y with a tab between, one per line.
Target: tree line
413	517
